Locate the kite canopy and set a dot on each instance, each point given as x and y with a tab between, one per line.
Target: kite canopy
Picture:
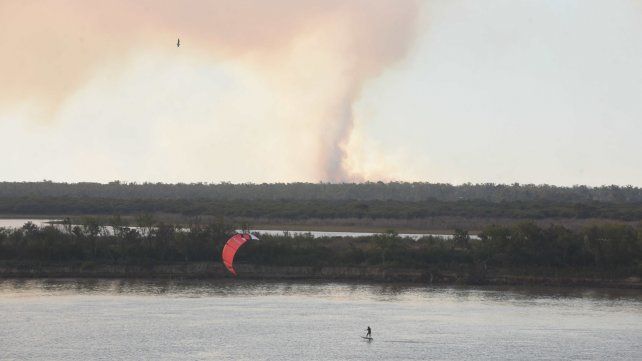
232	245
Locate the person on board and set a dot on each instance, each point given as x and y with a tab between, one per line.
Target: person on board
369	332
178	43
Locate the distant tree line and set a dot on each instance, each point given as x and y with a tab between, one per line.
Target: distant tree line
370	191
600	247
322	209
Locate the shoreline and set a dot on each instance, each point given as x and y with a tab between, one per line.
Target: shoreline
416	276
333	225
424	225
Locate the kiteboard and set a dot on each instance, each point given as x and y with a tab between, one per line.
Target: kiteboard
367	338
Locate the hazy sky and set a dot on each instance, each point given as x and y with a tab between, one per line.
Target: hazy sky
285	90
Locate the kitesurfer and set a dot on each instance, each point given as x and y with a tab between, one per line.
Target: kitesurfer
178	43
369	332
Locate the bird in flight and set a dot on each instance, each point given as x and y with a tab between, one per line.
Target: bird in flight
178	43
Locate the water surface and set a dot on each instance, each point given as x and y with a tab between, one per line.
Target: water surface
19	222
248	320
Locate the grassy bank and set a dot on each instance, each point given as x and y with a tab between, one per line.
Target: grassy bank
435	275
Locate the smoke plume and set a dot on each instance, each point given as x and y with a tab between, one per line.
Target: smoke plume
321	52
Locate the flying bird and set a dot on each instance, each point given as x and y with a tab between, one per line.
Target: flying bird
178	43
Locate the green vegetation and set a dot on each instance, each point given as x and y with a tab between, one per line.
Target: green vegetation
606	248
323	209
397	191
586	229
378	204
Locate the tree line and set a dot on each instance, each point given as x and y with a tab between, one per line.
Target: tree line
398	191
606	247
322	209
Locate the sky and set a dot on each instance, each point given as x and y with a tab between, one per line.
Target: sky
336	91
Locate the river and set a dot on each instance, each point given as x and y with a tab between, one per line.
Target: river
246	320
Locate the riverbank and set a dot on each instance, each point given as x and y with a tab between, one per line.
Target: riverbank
208	270
427	225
